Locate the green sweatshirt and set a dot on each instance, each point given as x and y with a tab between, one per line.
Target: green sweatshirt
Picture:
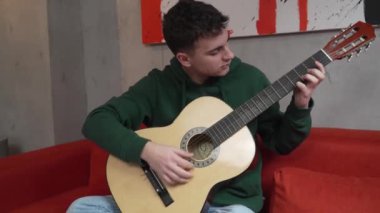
158	98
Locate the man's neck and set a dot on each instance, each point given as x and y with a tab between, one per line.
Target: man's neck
196	78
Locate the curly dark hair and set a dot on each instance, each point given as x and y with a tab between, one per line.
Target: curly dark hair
190	20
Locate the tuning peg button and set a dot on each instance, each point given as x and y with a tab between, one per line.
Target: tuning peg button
367	46
358	51
349	57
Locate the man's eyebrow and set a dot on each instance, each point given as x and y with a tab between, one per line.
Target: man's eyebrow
229	32
216	48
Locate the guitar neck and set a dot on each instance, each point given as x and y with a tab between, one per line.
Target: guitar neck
256	105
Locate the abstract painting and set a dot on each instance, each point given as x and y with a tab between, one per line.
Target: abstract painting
268	17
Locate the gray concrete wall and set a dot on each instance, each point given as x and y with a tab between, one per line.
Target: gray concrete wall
102	66
60	59
137	59
66	44
25	81
85	62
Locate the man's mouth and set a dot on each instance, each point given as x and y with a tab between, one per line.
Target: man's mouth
225	66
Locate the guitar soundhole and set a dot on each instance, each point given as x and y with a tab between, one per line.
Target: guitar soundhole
205	152
201	146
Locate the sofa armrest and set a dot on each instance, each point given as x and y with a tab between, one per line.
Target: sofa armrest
40	174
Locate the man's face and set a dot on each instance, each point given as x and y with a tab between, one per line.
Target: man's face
210	57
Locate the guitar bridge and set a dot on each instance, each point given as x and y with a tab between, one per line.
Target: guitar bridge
157	184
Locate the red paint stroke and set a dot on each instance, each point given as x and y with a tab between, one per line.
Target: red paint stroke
151	21
302	7
266	23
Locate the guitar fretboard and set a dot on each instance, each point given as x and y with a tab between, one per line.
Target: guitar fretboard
242	115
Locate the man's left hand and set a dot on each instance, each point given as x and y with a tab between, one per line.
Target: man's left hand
309	82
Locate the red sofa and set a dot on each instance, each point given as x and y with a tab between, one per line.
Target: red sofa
335	170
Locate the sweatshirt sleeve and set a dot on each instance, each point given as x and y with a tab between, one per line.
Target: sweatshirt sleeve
283	132
112	125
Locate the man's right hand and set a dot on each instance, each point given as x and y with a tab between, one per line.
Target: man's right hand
171	164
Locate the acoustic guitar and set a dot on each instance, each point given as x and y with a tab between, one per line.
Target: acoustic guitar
223	146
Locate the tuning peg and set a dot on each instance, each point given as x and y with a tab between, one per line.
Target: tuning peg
344	29
367	46
349	57
358	51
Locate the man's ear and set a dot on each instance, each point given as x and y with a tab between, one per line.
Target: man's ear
184	59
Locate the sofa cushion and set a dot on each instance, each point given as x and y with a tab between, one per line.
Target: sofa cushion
301	190
98	179
56	203
345	152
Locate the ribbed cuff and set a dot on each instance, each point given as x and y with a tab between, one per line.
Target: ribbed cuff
133	148
297	113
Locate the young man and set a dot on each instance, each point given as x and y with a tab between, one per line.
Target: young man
203	65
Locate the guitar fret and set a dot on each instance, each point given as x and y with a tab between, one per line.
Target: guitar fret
278	95
265	91
244	110
254	108
252	111
296	72
288	83
229	123
328	59
216	133
225	125
312	57
310	63
233	115
282	85
248	116
278	87
222	132
242	117
215	137
258	104
294	75
236	120
261	100
290	80
304	66
220	137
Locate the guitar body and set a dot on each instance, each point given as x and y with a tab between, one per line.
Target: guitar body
134	193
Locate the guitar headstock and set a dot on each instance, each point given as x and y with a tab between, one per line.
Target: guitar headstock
351	40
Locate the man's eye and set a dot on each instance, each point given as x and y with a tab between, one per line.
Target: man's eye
214	52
